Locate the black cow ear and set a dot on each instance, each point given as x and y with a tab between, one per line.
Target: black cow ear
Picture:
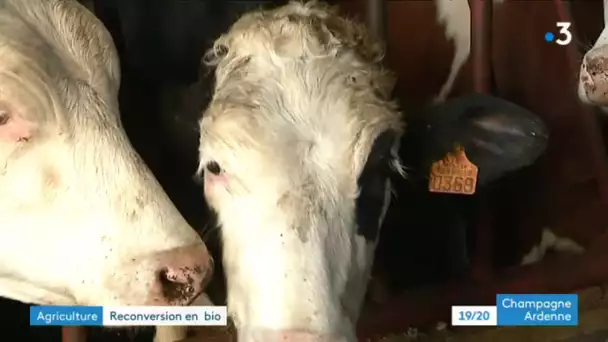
381	148
497	136
501	137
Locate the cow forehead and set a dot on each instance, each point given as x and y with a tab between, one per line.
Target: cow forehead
324	97
329	141
25	56
297	31
33	75
60	38
24	49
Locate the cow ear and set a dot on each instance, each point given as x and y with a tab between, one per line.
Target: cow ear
497	136
13	127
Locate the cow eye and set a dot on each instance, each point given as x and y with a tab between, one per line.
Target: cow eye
213	167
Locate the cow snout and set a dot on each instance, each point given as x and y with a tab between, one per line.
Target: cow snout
594	80
183	273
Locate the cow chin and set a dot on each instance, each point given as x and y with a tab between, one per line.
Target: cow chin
584	97
287	336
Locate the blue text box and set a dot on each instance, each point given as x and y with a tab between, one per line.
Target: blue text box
537	309
66	315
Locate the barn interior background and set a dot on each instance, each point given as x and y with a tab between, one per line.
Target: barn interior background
161	42
565	189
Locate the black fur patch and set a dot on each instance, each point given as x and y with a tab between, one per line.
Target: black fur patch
372	186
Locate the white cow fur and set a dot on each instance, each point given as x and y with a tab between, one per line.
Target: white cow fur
600	48
82	216
551	242
455	15
300	97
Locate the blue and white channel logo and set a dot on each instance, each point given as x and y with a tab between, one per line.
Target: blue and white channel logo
537	309
521	310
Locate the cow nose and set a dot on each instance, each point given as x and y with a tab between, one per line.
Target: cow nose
594	79
596	64
183	273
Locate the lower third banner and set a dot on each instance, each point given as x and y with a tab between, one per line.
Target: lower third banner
537	309
127	315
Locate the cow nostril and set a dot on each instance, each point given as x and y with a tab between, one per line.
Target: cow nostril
595	65
178	287
182	273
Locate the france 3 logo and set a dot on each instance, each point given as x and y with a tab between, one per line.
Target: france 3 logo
565	36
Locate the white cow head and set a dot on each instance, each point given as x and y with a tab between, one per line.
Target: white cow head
593	78
83	220
297	146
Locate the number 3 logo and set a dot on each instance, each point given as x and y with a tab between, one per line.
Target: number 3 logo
564	27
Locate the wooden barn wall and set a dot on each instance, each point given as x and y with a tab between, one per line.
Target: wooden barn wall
560	190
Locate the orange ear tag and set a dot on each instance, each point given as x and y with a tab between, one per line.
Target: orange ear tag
454	174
